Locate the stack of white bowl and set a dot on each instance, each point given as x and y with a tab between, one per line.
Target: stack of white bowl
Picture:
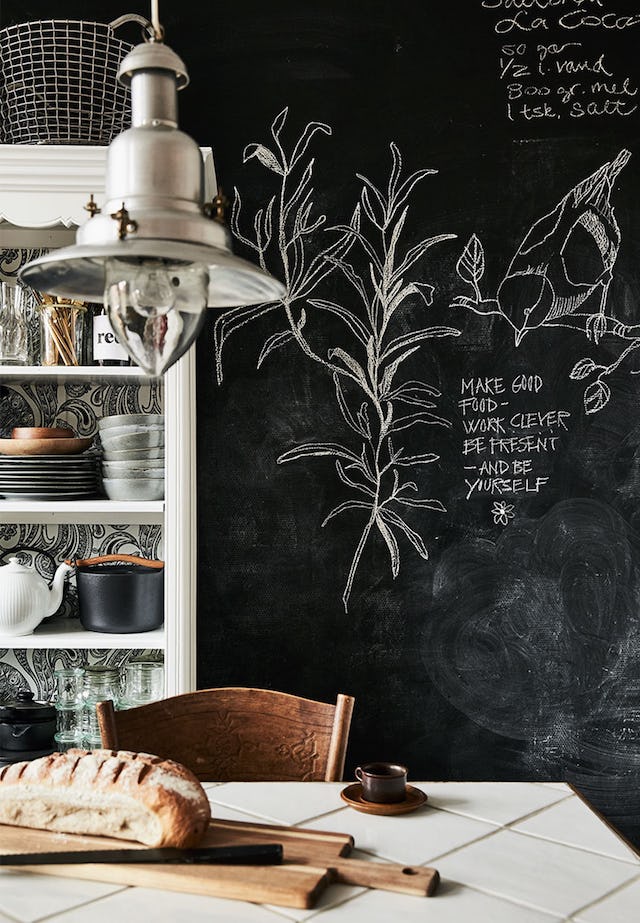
133	456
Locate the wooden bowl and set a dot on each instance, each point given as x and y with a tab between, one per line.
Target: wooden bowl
44	446
42	432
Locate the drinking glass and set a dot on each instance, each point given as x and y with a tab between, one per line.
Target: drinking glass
69	707
14	331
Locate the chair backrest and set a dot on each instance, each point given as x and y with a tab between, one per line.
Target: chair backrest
237	734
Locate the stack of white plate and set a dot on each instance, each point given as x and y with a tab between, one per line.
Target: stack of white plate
133	456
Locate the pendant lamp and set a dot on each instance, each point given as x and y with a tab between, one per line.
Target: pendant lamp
154	253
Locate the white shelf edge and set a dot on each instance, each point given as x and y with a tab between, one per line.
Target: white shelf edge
145	512
63	372
47	185
68	633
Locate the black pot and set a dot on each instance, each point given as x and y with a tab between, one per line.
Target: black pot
7	757
120	593
26	725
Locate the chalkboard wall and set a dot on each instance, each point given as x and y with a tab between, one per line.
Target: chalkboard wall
419	476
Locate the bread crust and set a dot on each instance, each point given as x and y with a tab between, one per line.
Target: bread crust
107	792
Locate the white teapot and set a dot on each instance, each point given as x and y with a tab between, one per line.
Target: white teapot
26	598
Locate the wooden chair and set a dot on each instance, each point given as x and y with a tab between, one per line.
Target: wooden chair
237	734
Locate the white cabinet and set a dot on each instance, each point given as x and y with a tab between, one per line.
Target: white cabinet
176	515
42	192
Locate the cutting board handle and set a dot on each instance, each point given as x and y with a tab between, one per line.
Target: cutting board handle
418	880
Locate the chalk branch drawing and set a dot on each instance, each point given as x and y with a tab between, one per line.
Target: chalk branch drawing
382	285
560	277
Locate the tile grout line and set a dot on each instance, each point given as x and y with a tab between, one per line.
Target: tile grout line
269	909
60	914
603	897
503	825
537	811
632	860
552	914
11	917
549	785
352	897
279	822
456	849
510	826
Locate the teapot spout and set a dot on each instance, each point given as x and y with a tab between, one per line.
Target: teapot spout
57	588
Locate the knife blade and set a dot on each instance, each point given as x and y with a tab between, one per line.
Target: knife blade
258	854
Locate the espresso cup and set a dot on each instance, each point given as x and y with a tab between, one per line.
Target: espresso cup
384	783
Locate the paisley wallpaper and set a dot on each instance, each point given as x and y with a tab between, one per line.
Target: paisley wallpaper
77	404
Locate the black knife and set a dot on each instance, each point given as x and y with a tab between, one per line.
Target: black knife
259	854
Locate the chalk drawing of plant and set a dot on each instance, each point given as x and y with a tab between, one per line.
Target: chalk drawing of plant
382	282
560	276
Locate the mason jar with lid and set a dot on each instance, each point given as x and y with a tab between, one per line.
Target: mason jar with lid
143	682
100	684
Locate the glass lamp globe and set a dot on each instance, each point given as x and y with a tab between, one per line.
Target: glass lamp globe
156	308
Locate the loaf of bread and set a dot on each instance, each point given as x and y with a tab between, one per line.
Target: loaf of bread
132	796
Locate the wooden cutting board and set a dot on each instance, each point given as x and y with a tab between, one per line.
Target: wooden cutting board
312	859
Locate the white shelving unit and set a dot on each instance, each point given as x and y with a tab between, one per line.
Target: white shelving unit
176	514
115	374
69	633
145	512
43	190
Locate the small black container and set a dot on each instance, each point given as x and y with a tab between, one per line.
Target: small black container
26	725
120	593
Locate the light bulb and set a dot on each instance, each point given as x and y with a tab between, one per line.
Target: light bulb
151	290
156	308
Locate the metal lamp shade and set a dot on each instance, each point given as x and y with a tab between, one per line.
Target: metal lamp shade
153	227
78	272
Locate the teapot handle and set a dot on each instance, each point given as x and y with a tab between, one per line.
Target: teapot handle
126	558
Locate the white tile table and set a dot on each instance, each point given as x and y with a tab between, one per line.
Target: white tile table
507	852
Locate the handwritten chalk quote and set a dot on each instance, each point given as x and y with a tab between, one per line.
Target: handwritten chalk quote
505	443
545	67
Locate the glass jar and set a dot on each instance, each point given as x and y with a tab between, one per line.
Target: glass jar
14	331
69	707
143	682
61	331
100	684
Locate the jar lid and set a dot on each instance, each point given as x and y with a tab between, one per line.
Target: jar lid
102	672
23	707
101	677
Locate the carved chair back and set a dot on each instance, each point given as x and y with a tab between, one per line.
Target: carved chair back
237	734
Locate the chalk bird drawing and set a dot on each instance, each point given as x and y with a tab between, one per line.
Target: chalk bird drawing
567	257
382	290
560	275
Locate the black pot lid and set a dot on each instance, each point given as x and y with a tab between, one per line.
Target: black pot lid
23	708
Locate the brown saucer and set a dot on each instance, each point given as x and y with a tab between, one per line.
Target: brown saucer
352	794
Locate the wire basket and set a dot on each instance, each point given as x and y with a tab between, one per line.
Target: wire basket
58	82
